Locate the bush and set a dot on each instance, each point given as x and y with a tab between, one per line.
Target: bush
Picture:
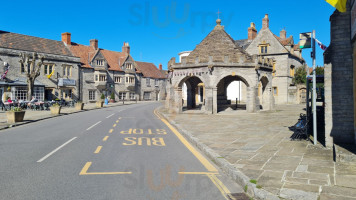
112	96
102	96
300	76
16	109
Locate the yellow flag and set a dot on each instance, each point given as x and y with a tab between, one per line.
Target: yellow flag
49	76
340	5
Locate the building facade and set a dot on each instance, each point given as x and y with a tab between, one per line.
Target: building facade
59	76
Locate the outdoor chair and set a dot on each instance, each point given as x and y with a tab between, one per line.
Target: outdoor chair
300	129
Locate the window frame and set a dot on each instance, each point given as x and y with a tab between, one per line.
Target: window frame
92	95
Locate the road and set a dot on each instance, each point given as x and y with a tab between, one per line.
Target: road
126	152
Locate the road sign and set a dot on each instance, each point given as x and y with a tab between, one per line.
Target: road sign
305	40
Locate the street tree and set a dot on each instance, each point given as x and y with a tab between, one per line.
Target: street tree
300	76
31	64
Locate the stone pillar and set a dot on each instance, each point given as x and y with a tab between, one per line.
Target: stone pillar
252	101
215	100
209	100
268	100
329	140
178	104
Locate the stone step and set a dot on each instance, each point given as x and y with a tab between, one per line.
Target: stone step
345	153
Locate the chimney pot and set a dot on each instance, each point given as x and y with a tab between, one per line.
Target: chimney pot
126	48
66	38
252	32
265	22
283	34
94	43
160	66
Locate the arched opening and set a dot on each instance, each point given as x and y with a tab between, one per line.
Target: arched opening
193	93
262	93
231	93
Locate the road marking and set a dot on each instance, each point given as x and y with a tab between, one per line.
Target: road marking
222	188
98	149
105	138
88	164
114	125
54	151
201	158
117	121
93	125
111	130
110	116
198	173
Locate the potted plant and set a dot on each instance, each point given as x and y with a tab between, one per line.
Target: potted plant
79	105
55	109
112	98
16	114
100	103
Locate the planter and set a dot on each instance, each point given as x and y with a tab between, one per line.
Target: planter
55	110
13	117
79	106
99	104
112	101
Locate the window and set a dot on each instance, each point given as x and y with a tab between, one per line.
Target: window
96	77
132	95
156	82
67	70
100	62
292	71
131	80
122	95
22	68
263	49
91	95
129	66
118	79
275	91
20	92
148	82
146	95
29	67
67	93
48	69
127	79
102	77
38	93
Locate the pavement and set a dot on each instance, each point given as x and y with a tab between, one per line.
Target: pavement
256	151
37	115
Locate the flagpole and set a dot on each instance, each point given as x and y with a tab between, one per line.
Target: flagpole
314	91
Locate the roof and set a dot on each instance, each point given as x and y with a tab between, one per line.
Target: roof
149	70
243	43
33	44
115	59
85	53
285	41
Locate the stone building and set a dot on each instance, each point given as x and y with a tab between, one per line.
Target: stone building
105	72
64	82
339	78
210	68
287	57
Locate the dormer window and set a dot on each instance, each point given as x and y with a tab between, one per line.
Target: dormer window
129	66
263	49
100	62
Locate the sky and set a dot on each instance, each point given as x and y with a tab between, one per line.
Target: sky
159	30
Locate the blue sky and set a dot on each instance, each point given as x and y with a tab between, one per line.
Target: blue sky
159	30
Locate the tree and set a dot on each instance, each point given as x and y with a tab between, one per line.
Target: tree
300	76
32	65
319	71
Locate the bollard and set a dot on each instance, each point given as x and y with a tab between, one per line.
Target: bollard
236	103
123	101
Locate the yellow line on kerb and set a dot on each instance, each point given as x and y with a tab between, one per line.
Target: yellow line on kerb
88	164
105	138
203	160
114	125
222	188
198	173
111	130
117	121
98	149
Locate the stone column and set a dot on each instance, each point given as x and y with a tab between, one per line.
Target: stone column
209	100
178	100
252	101
215	100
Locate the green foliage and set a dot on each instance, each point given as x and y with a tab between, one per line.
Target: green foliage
112	96
102	96
300	76
258	186
319	71
16	109
253	181
55	105
245	188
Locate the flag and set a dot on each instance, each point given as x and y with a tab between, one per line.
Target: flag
4	74
49	76
340	5
323	47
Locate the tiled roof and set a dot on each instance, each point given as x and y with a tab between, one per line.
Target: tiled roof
85	53
34	44
149	70
286	41
115	59
243	43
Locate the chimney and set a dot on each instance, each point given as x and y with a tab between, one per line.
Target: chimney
160	66
66	38
126	48
283	34
265	22
94	43
252	32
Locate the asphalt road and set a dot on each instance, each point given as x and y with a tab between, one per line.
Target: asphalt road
125	152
